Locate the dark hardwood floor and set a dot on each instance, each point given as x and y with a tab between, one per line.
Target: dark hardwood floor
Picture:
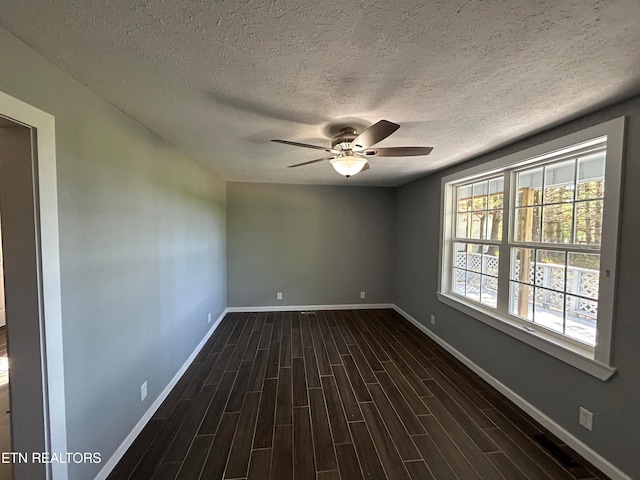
329	395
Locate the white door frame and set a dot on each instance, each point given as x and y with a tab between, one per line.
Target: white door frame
49	262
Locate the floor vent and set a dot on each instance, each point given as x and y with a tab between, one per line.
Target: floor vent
556	451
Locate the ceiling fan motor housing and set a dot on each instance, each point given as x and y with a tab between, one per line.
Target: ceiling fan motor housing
344	139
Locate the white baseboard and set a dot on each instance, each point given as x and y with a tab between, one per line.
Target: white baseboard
589	454
290	308
124	446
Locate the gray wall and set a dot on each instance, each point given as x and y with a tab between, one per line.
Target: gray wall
142	253
316	244
549	384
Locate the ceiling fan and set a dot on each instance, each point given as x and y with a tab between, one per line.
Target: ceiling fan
350	150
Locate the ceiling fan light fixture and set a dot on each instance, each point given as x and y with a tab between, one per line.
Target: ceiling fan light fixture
348	166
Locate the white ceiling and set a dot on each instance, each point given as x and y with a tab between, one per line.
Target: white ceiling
218	79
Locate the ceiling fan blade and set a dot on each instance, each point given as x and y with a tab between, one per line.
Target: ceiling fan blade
398	152
374	134
365	168
305	145
311	161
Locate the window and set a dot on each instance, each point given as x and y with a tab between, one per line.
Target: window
529	244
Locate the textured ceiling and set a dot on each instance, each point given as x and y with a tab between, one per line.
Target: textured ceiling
218	79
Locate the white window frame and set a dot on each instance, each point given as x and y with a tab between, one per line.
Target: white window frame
593	360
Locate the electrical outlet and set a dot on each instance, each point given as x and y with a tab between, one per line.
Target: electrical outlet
279	295
433	319
363	294
143	391
209	318
586	418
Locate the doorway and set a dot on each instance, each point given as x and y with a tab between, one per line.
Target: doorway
30	265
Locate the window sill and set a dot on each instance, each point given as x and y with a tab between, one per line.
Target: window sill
580	358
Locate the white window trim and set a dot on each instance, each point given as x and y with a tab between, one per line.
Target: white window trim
596	362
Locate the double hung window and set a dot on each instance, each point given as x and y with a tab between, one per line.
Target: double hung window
529	244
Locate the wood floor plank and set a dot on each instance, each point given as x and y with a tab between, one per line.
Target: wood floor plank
235	335
149	463
276	335
406	362
418	470
470	408
258	370
358	385
300	398
363	365
303	458
229	322
260	465
322	358
281	395
296	342
265	338
460	464
346	333
194	461
387	452
238	353
512	413
324	364
170	403
260	321
396	428
206	350
305	331
379	335
285	351
266	415
219	368
322	441
438	466
410	421
349	401
311	368
136	451
167	471
211	419
239	389
443	406
182	441
406	388
527	444
219	452
286	323
478	400
248	326
506	466
238	463
465	444
339	341
517	456
273	360
252	346
196	383
337	419
282	457
327	338
330	475
285	397
369	461
348	465
372	352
